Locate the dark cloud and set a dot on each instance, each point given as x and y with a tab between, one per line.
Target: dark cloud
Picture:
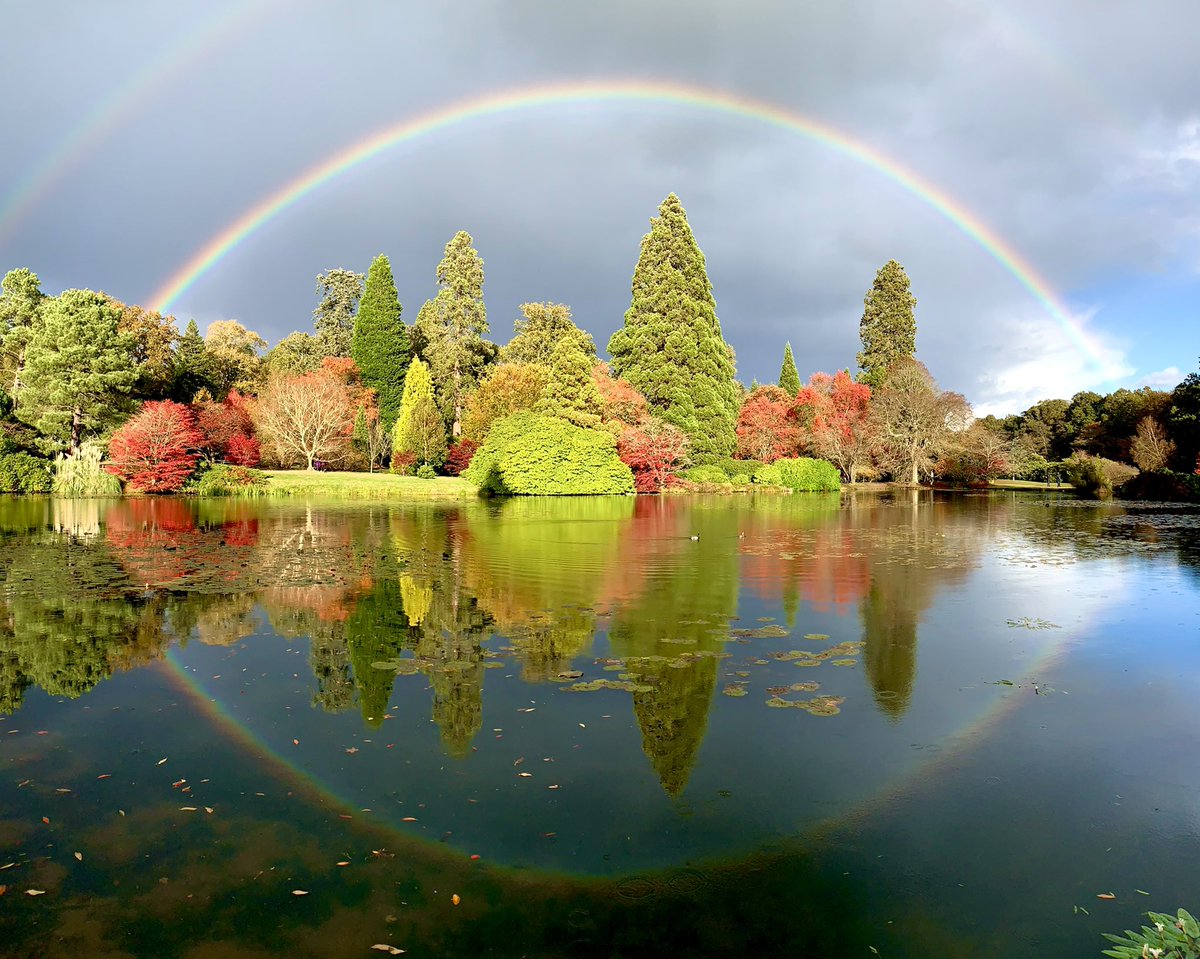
1070	130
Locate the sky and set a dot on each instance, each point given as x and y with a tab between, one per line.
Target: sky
1035	167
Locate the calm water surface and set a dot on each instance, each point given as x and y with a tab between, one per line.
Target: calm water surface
921	725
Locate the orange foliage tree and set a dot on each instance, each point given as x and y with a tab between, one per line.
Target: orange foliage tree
766	426
834	412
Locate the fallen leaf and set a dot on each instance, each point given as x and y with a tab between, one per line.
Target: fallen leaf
299	892
209	810
161	761
105	776
390	950
474	856
295	742
553	786
187	808
1141	892
79	856
409	819
344	862
1106	895
525	775
3	890
62	790
35	892
456	899
352	750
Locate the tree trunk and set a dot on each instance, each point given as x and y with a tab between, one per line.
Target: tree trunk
914	481
76	429
310	462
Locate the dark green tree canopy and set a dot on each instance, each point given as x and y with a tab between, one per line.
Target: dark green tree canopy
671	348
78	368
380	344
570	392
789	376
193	368
21	301
888	328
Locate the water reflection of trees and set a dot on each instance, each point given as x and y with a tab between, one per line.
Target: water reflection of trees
382	591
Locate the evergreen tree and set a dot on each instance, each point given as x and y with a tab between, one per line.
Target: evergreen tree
78	368
380	342
543	327
419	430
888	328
789	377
570	392
671	348
192	366
452	327
334	316
21	301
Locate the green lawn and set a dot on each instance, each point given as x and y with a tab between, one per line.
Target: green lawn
366	485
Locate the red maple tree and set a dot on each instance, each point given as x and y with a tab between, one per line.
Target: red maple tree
156	451
243	450
833	411
766	426
459	456
653	452
221	423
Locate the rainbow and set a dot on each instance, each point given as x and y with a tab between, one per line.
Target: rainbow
107	115
620	92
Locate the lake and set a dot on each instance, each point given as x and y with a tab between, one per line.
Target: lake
909	725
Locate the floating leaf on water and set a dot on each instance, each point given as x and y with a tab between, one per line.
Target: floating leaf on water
1028	622
804	687
734	689
299	892
525	775
161	761
570	674
35	892
762	632
1106	895
456	899
816	637
844	662
390	950
1141	892
79	856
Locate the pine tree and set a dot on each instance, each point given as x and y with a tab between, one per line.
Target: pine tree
670	347
789	378
78	367
192	366
570	391
380	344
21	301
542	327
888	328
334	316
451	328
419	430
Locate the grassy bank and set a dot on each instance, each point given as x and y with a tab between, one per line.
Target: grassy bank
1028	484
373	486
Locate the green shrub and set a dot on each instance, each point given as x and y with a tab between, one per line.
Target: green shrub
740	479
1171	937
425	471
709	473
83	474
802	474
533	455
769	475
23	473
226	480
1163	486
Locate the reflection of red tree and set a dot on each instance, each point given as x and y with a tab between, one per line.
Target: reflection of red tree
157	538
654	533
329	604
829	569
242	532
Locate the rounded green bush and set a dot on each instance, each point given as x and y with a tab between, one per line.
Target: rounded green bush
740	479
226	480
709	473
24	473
425	471
802	474
533	455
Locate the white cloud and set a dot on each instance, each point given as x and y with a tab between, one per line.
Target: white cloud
1163	379
1033	359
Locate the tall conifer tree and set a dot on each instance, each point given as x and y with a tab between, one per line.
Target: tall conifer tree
888	328
451	328
380	343
671	348
570	391
789	377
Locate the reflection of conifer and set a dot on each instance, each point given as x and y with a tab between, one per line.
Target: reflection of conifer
375	632
13	682
890	632
329	656
673	718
